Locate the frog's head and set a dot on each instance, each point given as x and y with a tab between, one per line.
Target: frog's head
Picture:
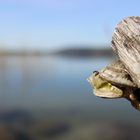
102	88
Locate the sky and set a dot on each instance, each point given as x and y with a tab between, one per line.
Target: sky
54	24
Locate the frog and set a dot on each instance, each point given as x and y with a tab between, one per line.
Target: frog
114	81
103	88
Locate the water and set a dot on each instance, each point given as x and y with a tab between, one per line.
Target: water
56	89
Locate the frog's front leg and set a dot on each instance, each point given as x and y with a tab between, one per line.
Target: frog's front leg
133	96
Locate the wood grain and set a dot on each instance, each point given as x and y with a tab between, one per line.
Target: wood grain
126	44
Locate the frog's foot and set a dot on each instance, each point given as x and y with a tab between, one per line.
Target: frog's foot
134	98
136	104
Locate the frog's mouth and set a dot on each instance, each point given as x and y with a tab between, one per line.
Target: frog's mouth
107	94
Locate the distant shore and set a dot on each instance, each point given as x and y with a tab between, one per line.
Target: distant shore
84	52
70	52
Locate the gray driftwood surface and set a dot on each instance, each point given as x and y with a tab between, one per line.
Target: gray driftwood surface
126	44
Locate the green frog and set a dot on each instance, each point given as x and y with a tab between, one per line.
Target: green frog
115	82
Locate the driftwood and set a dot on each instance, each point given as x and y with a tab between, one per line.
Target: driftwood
126	45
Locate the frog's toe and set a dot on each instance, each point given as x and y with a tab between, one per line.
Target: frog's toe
136	104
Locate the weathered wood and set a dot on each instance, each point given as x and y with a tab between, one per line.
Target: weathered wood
126	44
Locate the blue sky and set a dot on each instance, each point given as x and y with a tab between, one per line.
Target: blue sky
52	24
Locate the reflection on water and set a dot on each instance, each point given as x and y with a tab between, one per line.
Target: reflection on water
49	97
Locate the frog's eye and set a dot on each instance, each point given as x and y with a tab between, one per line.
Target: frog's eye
95	73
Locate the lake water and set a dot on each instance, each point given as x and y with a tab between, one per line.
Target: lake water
55	88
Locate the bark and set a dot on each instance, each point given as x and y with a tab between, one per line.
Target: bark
126	44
